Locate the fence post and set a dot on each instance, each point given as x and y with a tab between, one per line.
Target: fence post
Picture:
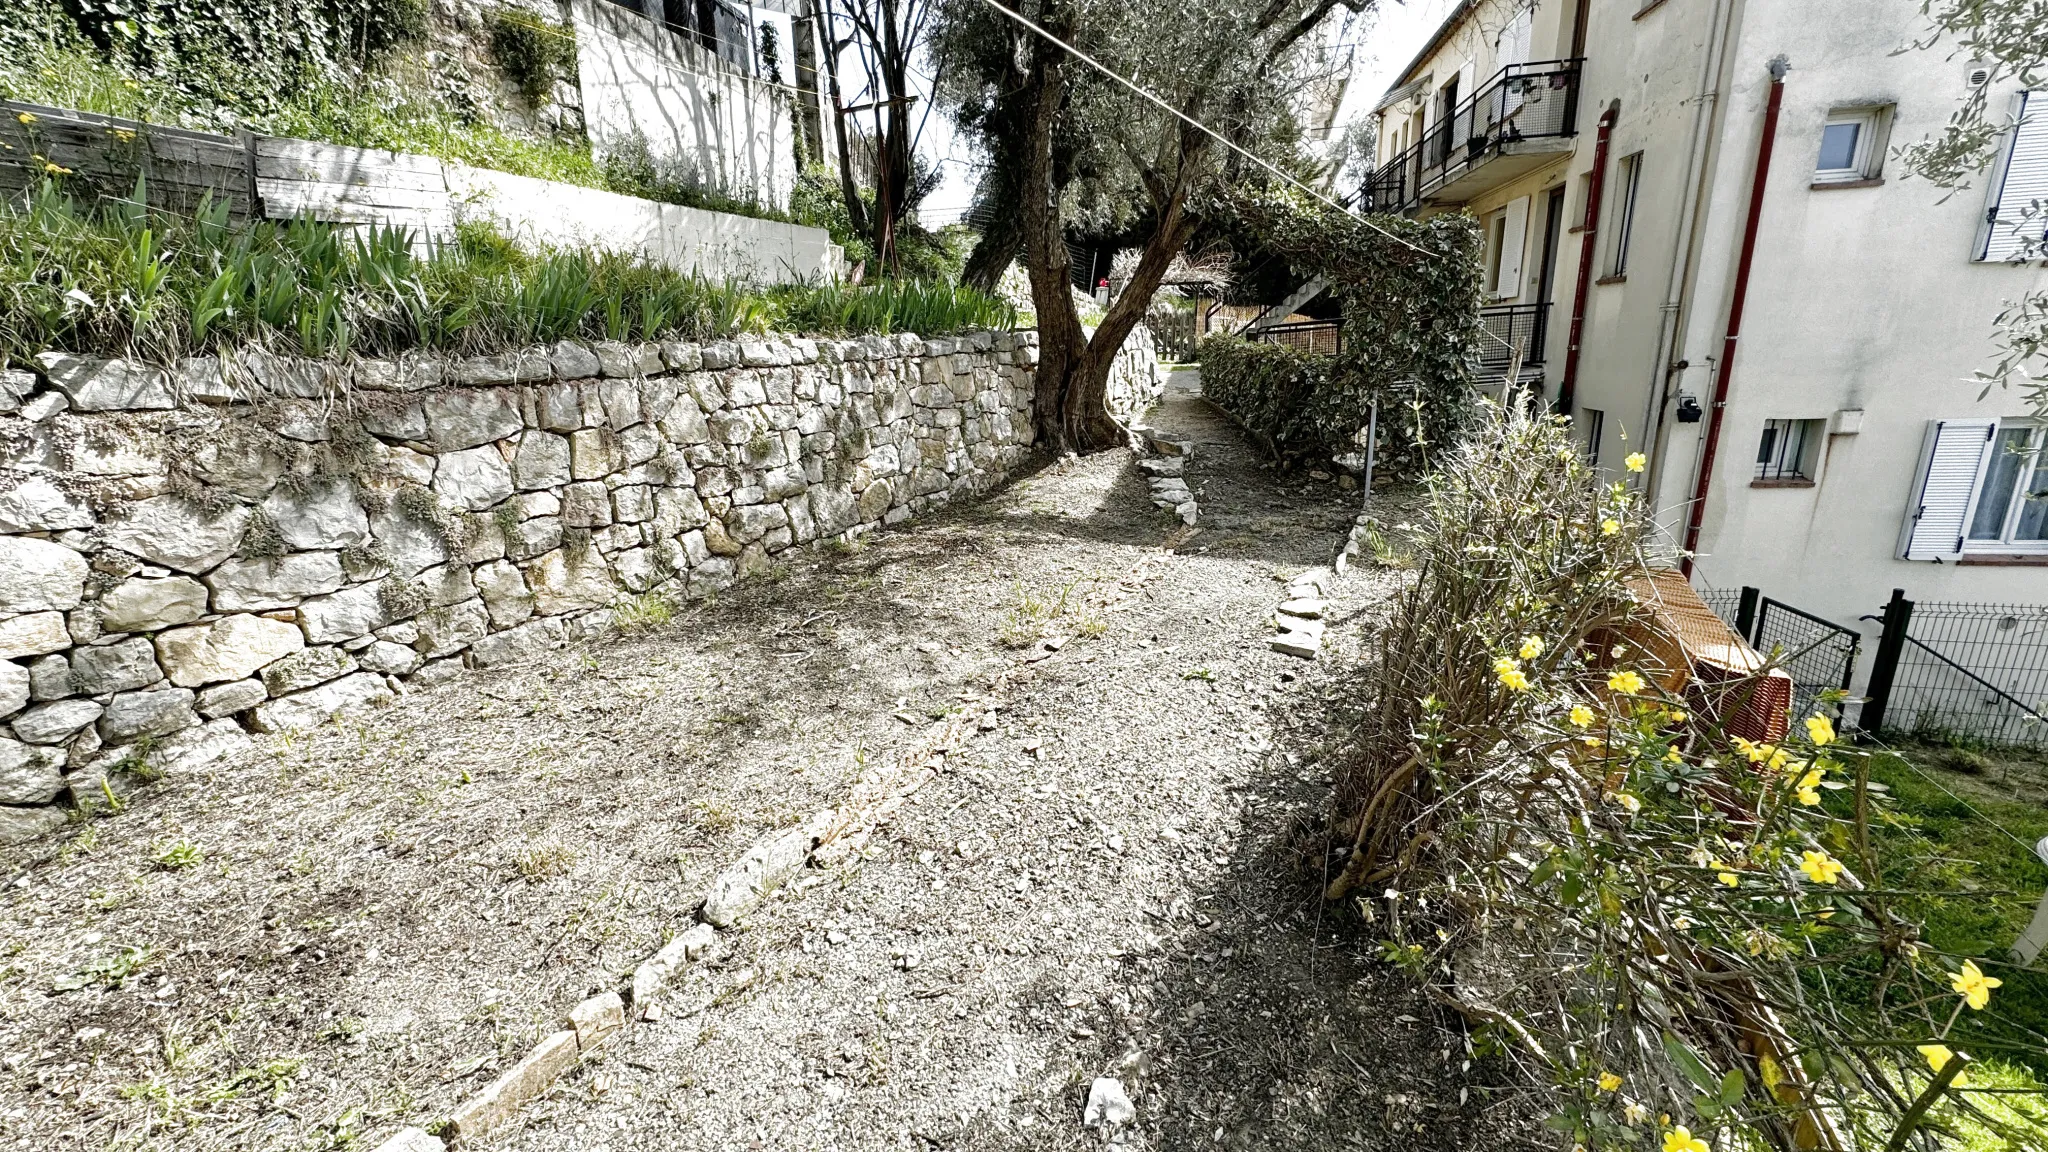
1898	613
1745	613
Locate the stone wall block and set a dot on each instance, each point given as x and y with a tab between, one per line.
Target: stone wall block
321	515
314	706
95	385
467	418
148	712
177	533
231	648
586	504
17	688
473	478
344	615
267	584
446	631
229	699
36	503
594	454
117	667
573	361
39	576
30	773
504	593
143	605
305	668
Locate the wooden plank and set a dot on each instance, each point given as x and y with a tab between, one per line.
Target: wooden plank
278	158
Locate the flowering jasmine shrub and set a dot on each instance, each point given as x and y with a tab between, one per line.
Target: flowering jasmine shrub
1547	825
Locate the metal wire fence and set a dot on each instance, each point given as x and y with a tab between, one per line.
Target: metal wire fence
1974	670
1819	654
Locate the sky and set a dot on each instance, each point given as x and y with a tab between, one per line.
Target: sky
1395	35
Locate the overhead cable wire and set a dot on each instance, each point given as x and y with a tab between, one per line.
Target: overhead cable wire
1190	121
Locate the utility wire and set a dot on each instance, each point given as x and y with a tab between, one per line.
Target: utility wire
1191	122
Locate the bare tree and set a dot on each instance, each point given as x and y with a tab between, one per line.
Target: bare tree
885	36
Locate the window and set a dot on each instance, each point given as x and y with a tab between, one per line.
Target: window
1788	450
1851	145
2015	217
1628	176
1982	488
2012	502
1591	421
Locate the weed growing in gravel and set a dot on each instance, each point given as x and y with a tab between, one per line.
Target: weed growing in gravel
644	613
112	970
1032	618
544	860
178	854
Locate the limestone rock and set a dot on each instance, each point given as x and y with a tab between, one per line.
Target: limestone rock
411	1140
446	631
346	614
146	605
305	668
563	585
772	862
388	658
1109	1106
121	667
55	722
260	585
586	504
320	516
408	545
572	361
15	688
15	387
228	699
408	374
39	576
594	453
501	1099
36	504
154	712
596	1019
521	645
542	461
231	648
466	418
20	825
95	385
30	773
504	593
196	747
177	533
654	972
475	478
312	707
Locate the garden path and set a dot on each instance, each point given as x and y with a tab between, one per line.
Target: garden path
1108	880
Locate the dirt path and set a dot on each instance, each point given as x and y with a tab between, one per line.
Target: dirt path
335	936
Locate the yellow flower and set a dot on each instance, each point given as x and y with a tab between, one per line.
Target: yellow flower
1511	674
1673	755
1629	802
1821	868
55	169
27	117
1582	716
1633	1113
1808	788
1820	729
1610	526
1592	741
1532	647
1635	461
1609	1082
1625	681
1974	986
1938	1057
1675	716
1729	879
1681	1139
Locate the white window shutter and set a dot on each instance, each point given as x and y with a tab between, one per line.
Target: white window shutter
1951	462
2012	228
1514	237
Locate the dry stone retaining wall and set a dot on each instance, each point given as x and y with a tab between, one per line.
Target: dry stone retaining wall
261	542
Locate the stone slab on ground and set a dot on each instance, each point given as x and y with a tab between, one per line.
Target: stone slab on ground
502	1099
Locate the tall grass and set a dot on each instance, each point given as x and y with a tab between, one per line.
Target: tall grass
119	279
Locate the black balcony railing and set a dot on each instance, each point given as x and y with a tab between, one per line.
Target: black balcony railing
1507	332
1521	102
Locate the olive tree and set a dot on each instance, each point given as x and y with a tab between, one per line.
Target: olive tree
1072	141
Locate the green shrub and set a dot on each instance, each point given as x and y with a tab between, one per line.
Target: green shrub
532	52
1304	405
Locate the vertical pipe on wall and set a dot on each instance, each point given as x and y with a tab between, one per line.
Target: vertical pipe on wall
1588	228
1669	328
1696	513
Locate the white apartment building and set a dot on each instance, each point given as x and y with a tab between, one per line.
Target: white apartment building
1611	148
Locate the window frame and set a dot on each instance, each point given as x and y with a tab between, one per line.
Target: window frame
1800	471
2004	544
1595	426
1629	169
1868	157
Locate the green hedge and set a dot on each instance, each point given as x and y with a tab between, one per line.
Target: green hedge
1305	406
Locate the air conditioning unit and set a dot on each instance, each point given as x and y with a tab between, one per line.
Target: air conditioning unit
1980	75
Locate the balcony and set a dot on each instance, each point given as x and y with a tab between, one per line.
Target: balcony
1523	118
1511	339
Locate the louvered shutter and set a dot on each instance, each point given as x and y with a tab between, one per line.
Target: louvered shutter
1951	462
2013	229
1514	237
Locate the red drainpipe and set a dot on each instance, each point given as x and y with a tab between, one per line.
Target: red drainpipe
1698	511
1570	381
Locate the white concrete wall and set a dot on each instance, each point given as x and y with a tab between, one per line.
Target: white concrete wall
640	82
719	244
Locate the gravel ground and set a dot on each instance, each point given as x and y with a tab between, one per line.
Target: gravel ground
320	941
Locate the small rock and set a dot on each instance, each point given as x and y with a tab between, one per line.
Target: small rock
157	712
307	667
149	605
1109	1107
55	722
30	773
312	707
228	699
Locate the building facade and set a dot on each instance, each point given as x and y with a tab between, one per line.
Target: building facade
1611	150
